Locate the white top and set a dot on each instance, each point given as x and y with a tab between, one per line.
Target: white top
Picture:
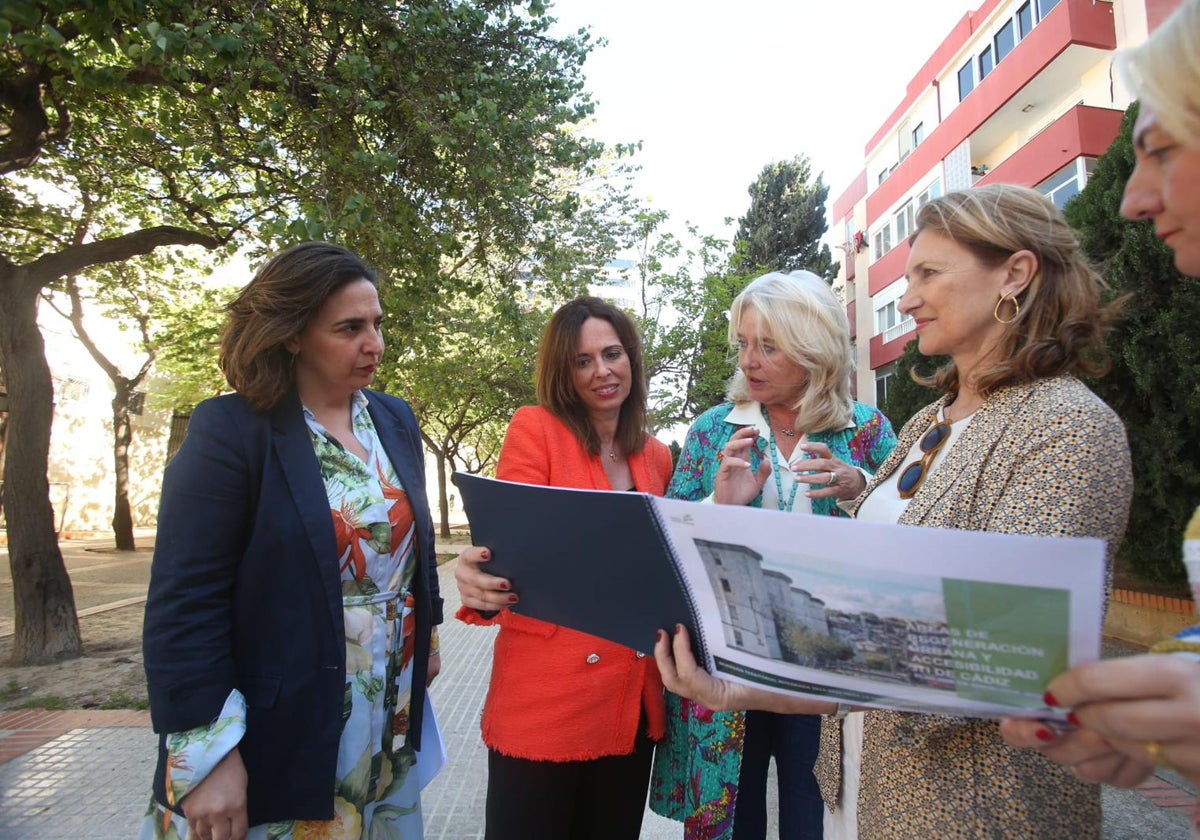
884	504
751	414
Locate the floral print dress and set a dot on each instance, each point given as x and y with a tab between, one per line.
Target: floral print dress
376	792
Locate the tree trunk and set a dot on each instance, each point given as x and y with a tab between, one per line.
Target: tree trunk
122	521
443	499
47	628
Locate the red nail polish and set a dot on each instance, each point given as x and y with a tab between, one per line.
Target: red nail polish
1044	735
485	554
512	599
1049	700
503	585
1072	719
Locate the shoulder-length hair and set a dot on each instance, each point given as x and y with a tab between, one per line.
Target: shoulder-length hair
1164	72
809	326
1062	322
556	391
276	306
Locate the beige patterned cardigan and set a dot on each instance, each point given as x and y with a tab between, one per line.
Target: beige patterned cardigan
1046	458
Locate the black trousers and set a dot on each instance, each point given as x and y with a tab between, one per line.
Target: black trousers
598	799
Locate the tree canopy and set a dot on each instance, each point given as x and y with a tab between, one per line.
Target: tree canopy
423	135
1154	384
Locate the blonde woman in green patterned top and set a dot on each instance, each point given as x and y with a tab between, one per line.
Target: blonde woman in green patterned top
1141	711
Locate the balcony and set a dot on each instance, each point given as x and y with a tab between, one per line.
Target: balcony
1044	67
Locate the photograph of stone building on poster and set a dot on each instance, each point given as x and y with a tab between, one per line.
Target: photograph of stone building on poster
888	628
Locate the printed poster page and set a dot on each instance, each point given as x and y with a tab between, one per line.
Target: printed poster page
893	616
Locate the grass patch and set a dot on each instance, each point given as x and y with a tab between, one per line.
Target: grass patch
124	700
51	703
11	691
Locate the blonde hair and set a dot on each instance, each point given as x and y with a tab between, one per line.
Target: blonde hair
1164	72
1062	323
808	325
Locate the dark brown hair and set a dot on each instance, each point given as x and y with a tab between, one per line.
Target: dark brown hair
276	306
556	390
1062	321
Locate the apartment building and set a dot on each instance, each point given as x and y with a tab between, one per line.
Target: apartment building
1019	91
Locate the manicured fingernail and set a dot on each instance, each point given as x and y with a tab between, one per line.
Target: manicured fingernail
1044	735
512	599
678	628
1049	700
503	585
1072	719
660	635
485	554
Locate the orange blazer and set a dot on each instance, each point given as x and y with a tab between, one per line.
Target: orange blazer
557	694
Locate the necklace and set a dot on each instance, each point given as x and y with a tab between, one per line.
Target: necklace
612	455
776	467
783	430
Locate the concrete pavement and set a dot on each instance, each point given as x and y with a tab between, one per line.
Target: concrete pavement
86	774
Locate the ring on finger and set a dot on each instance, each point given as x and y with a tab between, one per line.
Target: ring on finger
833	478
721	456
1157	754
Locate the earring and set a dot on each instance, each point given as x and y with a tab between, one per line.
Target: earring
1016	307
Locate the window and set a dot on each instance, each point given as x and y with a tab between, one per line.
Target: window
1005	40
137	402
73	389
1044	8
904	139
966	79
883	240
904	221
725	587
887	316
1066	183
932	191
986	63
884	377
1025	19
733	616
918	134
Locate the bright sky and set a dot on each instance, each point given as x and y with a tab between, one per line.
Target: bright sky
717	90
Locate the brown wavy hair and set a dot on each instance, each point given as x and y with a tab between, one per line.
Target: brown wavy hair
1063	321
556	390
276	306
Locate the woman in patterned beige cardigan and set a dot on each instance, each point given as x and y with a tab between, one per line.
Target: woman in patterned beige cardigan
996	280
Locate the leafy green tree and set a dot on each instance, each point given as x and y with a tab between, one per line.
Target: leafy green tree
782	229
671	278
134	295
1155	381
466	375
906	396
421	134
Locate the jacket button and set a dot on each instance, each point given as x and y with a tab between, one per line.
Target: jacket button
593	658
641	655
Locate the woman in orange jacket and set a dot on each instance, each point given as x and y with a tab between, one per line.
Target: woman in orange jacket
570	719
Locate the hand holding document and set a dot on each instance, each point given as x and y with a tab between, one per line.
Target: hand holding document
891	616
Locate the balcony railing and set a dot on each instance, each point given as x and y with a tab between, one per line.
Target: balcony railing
894	332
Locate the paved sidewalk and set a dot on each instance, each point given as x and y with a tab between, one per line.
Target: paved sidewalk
81	774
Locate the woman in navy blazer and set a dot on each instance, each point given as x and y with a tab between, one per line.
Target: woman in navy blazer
290	624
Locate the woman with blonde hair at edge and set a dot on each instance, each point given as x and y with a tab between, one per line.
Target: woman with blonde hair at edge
1138	712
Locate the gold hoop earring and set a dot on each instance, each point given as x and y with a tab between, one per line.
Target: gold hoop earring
1016	307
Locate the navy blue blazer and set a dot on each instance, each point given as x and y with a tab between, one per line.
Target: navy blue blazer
245	592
